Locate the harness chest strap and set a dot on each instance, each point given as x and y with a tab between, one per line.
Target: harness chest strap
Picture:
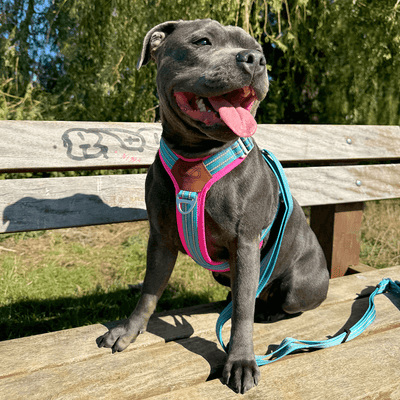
192	179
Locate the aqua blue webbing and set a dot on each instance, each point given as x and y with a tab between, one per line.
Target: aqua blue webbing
289	345
269	261
187	202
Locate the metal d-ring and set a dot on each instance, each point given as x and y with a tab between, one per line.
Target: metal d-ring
191	202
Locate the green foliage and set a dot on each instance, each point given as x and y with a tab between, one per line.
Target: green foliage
329	61
335	62
100	43
18	97
21	97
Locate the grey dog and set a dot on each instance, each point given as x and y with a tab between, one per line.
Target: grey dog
208	60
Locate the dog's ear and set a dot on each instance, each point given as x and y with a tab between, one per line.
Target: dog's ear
154	38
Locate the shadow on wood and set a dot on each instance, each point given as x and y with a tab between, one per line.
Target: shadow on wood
358	309
79	209
181	332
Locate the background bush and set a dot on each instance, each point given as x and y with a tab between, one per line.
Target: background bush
329	61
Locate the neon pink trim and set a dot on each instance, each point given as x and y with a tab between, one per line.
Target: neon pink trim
178	214
200	207
200	216
191	159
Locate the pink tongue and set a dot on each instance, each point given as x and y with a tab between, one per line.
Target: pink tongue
238	119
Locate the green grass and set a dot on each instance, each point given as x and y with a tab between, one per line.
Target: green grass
75	277
67	278
380	234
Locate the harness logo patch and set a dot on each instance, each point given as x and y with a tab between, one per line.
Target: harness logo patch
191	176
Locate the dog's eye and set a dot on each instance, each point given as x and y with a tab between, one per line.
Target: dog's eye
203	42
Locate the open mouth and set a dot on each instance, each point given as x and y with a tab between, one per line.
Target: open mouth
231	109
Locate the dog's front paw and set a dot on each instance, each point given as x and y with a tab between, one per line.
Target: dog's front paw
241	373
119	338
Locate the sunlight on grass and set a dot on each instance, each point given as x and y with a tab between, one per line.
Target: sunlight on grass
380	234
47	282
73	277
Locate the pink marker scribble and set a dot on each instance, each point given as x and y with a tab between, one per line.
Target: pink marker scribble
126	157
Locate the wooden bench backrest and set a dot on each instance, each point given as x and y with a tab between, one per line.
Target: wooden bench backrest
32	204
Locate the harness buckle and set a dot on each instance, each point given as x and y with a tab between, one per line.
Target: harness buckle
244	148
191	202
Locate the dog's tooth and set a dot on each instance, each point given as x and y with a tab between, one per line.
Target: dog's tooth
201	105
246	91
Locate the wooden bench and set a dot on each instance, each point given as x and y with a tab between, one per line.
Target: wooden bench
332	169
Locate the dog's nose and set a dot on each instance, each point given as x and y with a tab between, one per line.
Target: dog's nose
251	60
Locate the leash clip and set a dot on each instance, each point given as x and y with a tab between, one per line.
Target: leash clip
384	285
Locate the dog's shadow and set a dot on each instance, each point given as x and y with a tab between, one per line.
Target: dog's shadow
195	344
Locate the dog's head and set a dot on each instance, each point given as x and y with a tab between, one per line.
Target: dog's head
210	78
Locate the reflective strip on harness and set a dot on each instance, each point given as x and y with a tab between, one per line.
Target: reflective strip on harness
192	179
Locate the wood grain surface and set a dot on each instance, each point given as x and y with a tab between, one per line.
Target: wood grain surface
68	364
61	145
178	357
33	204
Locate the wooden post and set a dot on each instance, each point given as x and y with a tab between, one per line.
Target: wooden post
337	227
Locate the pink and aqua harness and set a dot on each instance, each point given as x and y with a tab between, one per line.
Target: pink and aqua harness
192	178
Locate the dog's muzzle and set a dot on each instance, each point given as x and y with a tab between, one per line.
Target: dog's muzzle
232	109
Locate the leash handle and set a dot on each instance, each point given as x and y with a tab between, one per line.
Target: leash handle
289	345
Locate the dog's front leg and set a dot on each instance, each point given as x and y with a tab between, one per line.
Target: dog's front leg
241	372
160	263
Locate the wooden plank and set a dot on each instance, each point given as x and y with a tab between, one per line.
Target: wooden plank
329	142
337	185
32	204
350	286
62	145
364	369
22	356
163	368
337	227
98	145
346	237
356	269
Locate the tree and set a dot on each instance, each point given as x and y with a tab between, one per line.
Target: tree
20	29
336	62
329	61
100	43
